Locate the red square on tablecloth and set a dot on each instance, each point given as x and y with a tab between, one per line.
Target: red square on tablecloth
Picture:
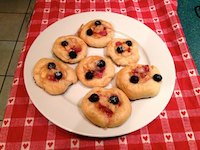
111	144
179	65
176	125
60	133
181	145
133	146
191	103
172	105
39	133
15	134
175	50
158	146
21	91
114	5
38	114
155	127
194	122
19	111
185	84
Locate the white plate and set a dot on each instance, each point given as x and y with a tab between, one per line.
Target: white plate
64	111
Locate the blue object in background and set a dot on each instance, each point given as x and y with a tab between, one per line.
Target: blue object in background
189	14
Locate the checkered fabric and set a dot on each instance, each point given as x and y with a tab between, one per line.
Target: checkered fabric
177	126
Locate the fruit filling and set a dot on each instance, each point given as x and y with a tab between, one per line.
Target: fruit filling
72	47
140	74
105	110
53	74
121	47
97	71
97	30
56	76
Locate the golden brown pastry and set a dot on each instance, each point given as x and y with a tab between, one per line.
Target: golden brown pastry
96	33
139	81
106	107
95	71
123	51
70	48
53	76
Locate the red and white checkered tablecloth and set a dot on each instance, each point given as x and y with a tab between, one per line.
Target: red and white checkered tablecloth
177	126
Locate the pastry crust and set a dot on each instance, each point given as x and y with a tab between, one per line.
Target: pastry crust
44	77
102	76
128	55
74	43
103	113
101	34
145	88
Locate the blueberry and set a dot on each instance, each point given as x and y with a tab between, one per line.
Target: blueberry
120	49
97	22
94	97
114	100
64	43
134	79
51	65
129	43
89	75
101	63
89	32
58	75
72	54
157	77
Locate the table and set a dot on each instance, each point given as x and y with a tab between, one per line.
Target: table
177	126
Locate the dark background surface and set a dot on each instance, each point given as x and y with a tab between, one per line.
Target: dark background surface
191	26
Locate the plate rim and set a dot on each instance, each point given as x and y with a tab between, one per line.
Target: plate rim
86	13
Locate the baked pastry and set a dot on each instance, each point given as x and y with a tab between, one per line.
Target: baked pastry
123	51
53	76
95	71
96	33
106	107
70	48
139	81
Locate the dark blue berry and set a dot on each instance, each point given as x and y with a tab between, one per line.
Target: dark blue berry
157	77
120	49
64	43
97	22
134	79
89	32
51	65
101	63
58	75
129	43
114	100
94	97
89	75
72	54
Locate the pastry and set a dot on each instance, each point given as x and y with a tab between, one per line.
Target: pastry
139	81
96	33
70	49
123	51
53	76
106	108
95	71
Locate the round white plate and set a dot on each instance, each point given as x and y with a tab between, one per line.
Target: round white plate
64	111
